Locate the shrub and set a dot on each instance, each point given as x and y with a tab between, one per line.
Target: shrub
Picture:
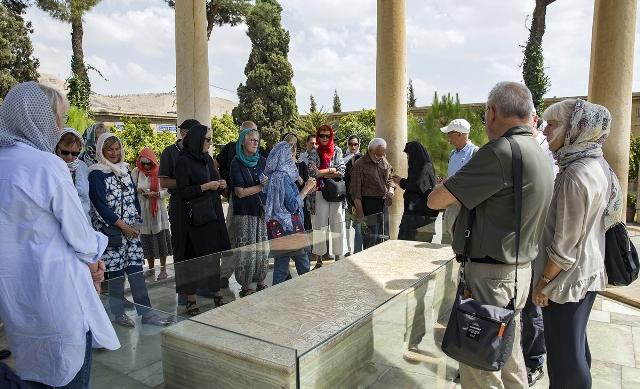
137	134
78	119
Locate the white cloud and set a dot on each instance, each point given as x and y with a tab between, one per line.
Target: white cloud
463	46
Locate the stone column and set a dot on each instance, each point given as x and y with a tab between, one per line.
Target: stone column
391	93
611	76
192	62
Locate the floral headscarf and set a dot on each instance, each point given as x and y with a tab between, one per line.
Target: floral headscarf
281	171
152	173
26	116
89	138
120	169
589	127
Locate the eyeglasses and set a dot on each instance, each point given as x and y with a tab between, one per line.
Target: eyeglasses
208	139
65	152
354	144
253	140
325	136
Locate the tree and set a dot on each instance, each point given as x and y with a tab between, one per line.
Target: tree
137	134
442	111
17	63
308	124
72	11
337	106
224	130
313	107
268	97
533	63
221	12
411	96
362	124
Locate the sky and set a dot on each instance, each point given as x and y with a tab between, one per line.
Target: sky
462	46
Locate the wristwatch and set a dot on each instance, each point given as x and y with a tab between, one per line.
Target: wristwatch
545	279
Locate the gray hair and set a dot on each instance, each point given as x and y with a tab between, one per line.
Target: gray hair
511	99
58	101
561	112
377	142
248	124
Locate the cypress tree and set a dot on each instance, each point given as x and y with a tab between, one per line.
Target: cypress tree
411	96
268	97
313	107
337	106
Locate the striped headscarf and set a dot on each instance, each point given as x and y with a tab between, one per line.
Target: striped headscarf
26	116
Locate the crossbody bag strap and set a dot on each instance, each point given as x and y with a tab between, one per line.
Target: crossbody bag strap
516	166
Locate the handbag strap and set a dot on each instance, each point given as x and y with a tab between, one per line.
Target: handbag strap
516	166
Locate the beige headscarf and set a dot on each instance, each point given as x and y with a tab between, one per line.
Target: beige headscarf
120	169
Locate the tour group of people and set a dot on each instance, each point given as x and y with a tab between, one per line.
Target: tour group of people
76	218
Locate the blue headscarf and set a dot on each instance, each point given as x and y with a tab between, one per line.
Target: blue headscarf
250	161
282	172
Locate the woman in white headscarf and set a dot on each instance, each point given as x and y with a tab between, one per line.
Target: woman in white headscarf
116	212
68	148
570	269
51	312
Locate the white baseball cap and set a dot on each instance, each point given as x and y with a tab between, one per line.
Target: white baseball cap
459	125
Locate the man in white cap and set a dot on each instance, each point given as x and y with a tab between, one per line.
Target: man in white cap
458	135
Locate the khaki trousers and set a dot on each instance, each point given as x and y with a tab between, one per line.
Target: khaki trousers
494	284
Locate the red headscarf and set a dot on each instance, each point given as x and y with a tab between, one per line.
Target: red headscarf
325	152
152	173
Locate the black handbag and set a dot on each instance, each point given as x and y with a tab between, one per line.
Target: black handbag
482	335
334	190
201	209
113	233
620	256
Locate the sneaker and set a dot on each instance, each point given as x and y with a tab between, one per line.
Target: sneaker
151	273
125	321
155	320
534	375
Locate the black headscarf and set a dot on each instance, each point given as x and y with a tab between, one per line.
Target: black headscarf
193	142
421	169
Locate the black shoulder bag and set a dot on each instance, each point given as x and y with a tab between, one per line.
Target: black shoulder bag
201	209
481	335
113	233
620	256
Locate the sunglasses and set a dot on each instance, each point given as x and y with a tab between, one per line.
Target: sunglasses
208	139
146	163
354	144
325	136
65	152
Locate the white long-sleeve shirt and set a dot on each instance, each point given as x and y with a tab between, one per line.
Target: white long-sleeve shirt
47	298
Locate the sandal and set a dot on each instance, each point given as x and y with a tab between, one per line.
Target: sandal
219	301
246	292
192	308
260	287
162	276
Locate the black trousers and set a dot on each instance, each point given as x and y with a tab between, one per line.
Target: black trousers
533	348
568	355
373	208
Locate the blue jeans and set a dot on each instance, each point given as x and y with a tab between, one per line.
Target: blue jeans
115	282
281	266
82	379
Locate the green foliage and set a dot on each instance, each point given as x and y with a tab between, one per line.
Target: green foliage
362	124
66	10
313	107
427	130
78	119
79	92
220	12
17	63
307	125
533	68
411	96
337	105
136	134
224	131
634	158
268	97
